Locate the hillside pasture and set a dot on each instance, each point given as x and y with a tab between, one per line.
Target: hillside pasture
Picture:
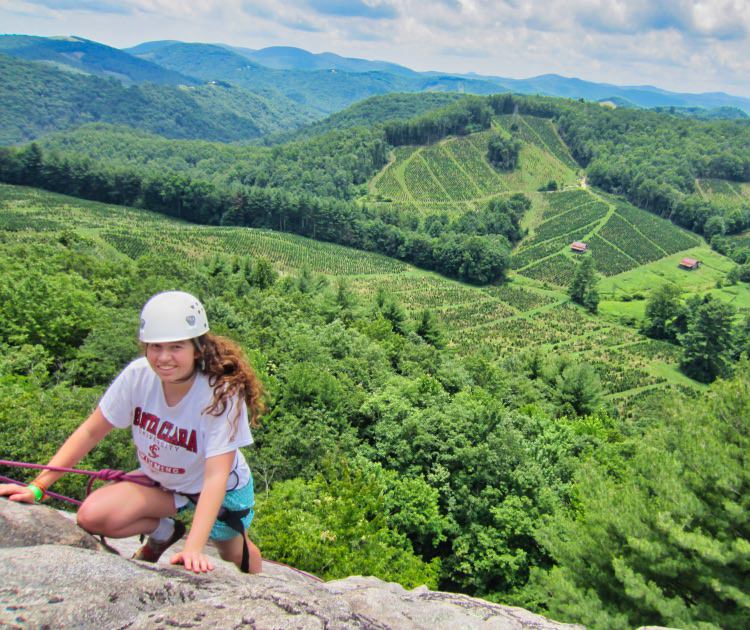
624	296
453	175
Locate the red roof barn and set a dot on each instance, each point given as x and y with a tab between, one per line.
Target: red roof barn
690	263
578	247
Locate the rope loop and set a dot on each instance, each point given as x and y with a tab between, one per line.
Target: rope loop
106	474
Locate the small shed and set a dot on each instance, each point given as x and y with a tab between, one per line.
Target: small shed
578	247
689	264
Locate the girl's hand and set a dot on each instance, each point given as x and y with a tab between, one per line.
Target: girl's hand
17	493
193	561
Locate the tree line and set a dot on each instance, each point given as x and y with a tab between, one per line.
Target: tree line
471	253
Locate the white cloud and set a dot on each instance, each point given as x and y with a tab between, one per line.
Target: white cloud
688	45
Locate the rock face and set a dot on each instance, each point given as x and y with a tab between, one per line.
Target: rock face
54	575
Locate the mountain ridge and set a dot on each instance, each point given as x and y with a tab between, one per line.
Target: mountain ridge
88	56
321	83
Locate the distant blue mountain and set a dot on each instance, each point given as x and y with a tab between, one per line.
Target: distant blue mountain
639	95
320	84
324	91
290	58
83	55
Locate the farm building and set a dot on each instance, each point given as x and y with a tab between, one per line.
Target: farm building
689	263
578	247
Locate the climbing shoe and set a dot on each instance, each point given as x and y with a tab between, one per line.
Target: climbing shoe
152	550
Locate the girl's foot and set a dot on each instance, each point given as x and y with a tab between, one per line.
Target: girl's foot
152	550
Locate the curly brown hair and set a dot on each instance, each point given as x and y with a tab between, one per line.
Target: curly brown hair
229	374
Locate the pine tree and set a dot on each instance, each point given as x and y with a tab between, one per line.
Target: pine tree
663	312
429	329
263	274
708	342
665	542
583	289
394	313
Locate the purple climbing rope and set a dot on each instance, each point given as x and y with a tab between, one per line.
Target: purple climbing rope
105	474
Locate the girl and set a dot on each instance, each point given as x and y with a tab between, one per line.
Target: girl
186	402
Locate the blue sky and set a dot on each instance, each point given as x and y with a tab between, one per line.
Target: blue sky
681	45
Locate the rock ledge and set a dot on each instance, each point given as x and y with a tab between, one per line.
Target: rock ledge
54	575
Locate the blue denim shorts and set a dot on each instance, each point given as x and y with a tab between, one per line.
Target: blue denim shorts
238	499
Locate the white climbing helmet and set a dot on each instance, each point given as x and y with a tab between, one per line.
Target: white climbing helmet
172	316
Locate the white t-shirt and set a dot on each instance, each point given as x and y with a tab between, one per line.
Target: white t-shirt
173	443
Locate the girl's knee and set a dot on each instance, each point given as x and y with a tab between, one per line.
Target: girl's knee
91	518
232	551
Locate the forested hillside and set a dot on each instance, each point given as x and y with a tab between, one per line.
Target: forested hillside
84	56
291	58
325	91
38	99
442	451
369	112
655	160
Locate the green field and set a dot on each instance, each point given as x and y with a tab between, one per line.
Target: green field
454	176
135	232
624	296
616	232
507	319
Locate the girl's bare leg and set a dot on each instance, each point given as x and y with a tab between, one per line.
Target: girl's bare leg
124	509
231	550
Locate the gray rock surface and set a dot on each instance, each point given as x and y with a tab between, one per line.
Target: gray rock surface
54	575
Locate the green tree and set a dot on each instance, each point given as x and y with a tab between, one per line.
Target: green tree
394	313
345	521
733	276
666	542
54	310
708	342
263	275
503	151
579	389
583	288
429	329
664	313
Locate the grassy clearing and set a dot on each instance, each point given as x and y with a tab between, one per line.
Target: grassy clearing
713	267
624	296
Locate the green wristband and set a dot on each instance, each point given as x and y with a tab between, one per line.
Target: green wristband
38	492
